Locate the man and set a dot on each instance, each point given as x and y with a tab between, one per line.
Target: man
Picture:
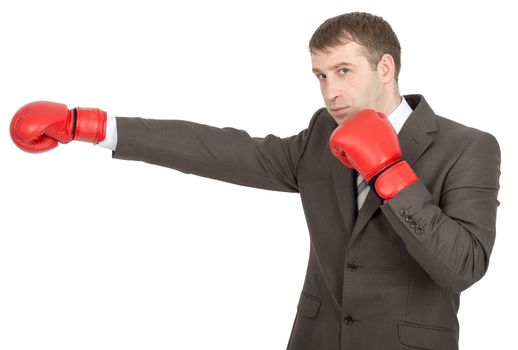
400	202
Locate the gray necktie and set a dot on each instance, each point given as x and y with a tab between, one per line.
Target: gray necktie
361	191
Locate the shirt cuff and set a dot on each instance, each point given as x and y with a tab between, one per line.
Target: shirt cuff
110	141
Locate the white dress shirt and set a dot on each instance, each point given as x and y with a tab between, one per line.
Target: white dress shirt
399	116
110	141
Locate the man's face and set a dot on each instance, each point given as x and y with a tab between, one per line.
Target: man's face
347	80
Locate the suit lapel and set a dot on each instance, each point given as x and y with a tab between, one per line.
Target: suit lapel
414	141
344	185
344	180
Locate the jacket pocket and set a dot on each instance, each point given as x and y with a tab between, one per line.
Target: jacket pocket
308	305
422	336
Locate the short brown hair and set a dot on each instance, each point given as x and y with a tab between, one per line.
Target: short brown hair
368	30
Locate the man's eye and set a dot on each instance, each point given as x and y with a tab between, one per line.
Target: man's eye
344	70
321	76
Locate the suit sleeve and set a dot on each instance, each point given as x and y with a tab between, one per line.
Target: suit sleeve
225	154
453	240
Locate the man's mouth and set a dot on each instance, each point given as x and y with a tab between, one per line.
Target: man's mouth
338	110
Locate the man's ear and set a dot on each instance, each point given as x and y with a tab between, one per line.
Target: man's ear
386	68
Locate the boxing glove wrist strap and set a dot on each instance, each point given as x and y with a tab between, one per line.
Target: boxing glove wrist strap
89	124
392	180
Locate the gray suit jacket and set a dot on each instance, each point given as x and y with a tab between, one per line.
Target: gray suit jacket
387	278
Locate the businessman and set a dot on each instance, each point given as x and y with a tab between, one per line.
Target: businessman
400	203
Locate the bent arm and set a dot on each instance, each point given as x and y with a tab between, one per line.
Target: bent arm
453	240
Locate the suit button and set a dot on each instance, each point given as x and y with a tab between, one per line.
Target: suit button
408	218
418	230
348	320
351	266
403	212
413	224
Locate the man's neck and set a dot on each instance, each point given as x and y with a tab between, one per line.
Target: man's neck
391	104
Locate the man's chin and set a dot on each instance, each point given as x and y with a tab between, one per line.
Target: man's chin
340	118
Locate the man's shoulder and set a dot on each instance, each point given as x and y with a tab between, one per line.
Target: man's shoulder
448	128
452	126
322	120
460	135
321	114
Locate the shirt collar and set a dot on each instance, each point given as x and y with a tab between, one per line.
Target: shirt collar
399	116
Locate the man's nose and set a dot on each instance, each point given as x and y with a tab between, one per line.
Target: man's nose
332	90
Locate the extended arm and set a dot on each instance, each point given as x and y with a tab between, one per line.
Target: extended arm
225	154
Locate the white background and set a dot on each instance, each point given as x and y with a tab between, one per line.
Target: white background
97	253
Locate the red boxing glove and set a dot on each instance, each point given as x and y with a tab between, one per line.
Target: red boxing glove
39	126
368	143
